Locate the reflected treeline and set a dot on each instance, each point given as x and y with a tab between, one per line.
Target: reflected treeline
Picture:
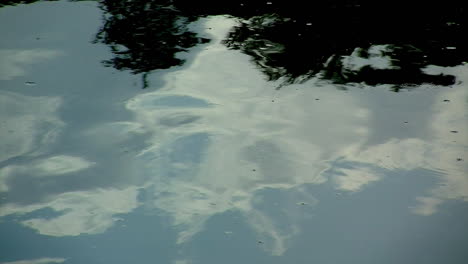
375	42
17	2
342	40
145	35
355	41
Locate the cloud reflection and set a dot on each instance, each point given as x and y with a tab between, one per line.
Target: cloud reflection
251	138
13	62
29	127
426	206
355	179
182	261
53	166
257	137
86	212
234	137
27	122
38	261
442	153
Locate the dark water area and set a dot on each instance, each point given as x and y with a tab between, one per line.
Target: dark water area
296	40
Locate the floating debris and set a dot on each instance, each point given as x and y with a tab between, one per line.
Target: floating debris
459	159
269	3
228	232
446	100
30	83
260	242
309	24
254	170
302	203
406	122
454	131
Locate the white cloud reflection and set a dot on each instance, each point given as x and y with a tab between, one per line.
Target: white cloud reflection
59	165
27	123
85	212
355	179
53	166
13	62
29	126
256	138
426	205
443	153
182	261
375	60
238	137
38	261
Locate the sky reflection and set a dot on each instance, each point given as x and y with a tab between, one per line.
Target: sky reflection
15	62
256	137
38	261
216	137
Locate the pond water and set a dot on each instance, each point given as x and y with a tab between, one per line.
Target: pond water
243	132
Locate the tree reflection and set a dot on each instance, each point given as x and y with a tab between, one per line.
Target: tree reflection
298	42
294	41
145	35
16	2
339	40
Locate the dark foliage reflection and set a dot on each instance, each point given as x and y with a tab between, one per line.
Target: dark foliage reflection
296	40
